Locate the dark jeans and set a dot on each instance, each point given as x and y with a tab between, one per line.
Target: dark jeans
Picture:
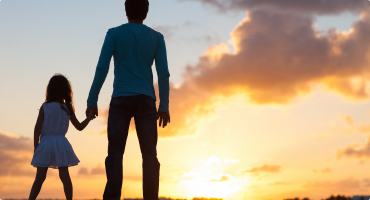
121	110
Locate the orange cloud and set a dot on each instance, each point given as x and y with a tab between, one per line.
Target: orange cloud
265	168
98	170
83	171
280	56
352	151
346	124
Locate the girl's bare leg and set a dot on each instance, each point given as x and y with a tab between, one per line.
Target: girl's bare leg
39	180
67	183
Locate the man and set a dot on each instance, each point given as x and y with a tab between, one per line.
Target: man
134	47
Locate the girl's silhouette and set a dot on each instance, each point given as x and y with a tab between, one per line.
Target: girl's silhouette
54	150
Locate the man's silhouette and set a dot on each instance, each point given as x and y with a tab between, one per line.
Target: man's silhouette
134	47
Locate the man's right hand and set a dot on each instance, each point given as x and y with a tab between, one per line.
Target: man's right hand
164	118
92	108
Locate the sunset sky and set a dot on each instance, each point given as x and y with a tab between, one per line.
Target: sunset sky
269	99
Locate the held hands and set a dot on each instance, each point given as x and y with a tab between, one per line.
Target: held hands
92	112
164	118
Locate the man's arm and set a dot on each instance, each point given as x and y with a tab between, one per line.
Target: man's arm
101	71
163	83
161	66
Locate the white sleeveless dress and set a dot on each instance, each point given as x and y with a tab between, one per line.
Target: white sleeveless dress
54	149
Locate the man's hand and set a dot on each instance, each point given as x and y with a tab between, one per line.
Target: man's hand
92	108
164	118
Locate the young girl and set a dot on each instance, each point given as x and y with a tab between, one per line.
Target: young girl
54	150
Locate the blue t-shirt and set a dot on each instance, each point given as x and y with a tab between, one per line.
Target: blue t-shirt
134	48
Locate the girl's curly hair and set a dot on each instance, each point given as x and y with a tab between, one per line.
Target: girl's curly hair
59	90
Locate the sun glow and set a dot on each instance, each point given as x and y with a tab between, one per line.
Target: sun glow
204	187
211	180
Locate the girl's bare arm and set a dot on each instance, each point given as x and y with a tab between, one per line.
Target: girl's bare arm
80	126
38	127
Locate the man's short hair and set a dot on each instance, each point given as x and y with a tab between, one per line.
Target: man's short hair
137	9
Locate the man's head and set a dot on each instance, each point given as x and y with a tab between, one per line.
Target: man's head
136	9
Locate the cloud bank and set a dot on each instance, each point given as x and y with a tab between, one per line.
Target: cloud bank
15	155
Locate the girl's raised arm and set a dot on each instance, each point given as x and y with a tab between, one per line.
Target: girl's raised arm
38	127
80	126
